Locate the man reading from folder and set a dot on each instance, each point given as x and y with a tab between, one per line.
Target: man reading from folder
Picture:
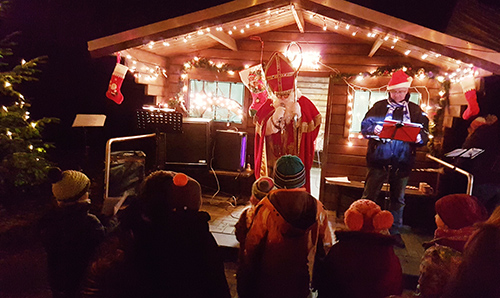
391	160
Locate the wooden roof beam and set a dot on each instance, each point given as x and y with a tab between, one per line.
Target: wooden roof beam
376	46
224	39
299	17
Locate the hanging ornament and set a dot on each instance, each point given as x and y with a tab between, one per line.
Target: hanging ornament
253	78
469	88
116	81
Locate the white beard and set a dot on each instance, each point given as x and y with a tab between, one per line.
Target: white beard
292	107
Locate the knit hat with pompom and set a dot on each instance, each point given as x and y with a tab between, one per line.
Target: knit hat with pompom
171	191
69	186
261	187
367	216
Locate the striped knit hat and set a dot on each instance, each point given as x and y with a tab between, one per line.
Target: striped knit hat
261	187
289	172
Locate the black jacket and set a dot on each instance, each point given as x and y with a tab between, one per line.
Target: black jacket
70	236
399	154
177	257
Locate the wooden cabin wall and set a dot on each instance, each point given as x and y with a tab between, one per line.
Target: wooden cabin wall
340	54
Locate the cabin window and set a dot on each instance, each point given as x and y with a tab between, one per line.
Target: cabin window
364	100
219	101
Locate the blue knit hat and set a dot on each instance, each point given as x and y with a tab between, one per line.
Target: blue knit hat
289	172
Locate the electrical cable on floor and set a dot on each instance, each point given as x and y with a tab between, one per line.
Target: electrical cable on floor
213	171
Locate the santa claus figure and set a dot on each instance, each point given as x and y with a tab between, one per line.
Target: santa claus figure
286	123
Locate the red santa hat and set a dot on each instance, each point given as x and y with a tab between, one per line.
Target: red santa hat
280	74
398	80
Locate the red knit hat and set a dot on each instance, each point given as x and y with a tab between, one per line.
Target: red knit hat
398	80
280	74
460	210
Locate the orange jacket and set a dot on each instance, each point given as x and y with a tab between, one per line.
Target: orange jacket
288	227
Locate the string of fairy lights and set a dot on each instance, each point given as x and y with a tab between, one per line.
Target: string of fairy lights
308	59
328	24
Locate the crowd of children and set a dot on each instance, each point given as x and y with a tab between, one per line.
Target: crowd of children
161	246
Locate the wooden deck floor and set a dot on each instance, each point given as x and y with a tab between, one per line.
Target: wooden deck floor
225	213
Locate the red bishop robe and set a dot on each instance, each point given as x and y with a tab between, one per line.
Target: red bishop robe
297	138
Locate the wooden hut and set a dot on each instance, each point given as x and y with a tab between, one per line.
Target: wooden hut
355	49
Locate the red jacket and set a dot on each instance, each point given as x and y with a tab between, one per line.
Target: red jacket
360	265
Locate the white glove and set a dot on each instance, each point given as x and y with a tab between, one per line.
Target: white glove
377	129
279	116
419	139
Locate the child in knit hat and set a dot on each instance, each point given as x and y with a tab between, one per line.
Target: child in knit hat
289	172
456	215
289	230
260	188
362	262
164	248
70	233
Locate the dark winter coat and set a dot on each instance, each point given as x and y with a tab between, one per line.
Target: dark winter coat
70	236
359	265
479	273
486	166
177	257
399	154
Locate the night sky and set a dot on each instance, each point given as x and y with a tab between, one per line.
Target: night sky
72	82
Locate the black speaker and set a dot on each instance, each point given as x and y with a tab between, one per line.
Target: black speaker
192	145
230	150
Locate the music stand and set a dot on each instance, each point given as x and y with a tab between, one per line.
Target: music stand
156	120
88	120
159	122
402	131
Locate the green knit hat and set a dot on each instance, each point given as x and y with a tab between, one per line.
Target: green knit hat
289	172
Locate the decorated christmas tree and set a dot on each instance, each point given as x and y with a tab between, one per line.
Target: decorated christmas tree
23	152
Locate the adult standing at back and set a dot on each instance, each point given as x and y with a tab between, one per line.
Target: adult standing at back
484	133
391	160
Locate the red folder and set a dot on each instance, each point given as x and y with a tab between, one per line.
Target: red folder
397	130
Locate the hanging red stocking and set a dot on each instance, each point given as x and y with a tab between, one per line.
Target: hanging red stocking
469	88
115	83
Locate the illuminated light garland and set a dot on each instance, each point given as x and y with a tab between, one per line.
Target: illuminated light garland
461	71
370	33
326	20
202	62
203	102
143	69
231	30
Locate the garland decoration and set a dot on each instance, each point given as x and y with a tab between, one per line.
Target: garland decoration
388	70
208	64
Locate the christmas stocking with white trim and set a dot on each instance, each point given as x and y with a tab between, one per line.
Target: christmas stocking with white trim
469	88
115	83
